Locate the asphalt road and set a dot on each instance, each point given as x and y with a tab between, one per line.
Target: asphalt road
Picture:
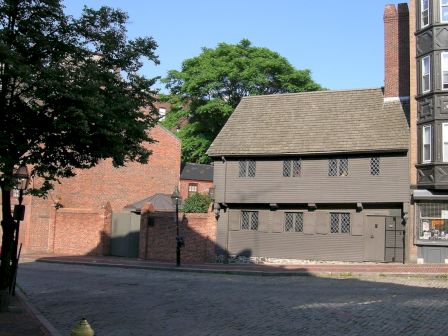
145	302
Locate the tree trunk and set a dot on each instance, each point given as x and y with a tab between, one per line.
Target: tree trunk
8	227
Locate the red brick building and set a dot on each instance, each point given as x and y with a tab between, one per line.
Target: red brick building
82	224
195	178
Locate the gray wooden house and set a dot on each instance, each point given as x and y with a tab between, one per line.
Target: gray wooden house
318	175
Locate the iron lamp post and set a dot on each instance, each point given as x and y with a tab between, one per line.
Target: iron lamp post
175	196
22	178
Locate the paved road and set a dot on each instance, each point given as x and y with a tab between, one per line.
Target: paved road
142	302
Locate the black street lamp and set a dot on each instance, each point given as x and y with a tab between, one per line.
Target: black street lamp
175	196
22	178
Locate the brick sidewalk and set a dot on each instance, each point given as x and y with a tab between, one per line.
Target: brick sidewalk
19	321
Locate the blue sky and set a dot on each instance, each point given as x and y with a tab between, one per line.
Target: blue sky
341	42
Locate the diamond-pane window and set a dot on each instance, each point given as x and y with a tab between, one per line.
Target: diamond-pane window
375	166
243	168
286	168
332	167
340	223
251	168
343	167
245	220
249	220
247	168
297	168
334	223
289	222
345	223
293	222
254	221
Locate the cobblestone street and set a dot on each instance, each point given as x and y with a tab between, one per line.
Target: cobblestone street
146	302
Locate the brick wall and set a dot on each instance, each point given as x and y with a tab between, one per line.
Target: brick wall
158	237
96	193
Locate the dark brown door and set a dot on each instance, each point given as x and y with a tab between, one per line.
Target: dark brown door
375	238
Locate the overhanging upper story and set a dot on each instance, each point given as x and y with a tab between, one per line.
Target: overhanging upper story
318	147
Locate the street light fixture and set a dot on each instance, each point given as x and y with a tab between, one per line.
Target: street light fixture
22	178
175	196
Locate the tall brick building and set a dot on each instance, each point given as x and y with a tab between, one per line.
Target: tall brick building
75	218
429	130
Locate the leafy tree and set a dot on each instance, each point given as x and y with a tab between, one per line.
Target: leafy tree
70	95
197	203
213	83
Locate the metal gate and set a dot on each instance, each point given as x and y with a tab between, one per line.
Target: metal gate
395	237
125	235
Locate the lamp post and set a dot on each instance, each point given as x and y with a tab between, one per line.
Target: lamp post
175	196
22	177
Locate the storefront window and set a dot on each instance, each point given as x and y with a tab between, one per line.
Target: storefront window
432	221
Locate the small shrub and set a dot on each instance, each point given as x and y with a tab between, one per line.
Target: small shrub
197	203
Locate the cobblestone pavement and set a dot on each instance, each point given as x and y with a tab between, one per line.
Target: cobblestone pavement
146	302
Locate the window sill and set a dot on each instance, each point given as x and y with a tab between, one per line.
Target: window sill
431	242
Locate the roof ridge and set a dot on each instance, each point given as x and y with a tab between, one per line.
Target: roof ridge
312	92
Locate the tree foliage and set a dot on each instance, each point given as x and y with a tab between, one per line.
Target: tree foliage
70	94
197	202
213	83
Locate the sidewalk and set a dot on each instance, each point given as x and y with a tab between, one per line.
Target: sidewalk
318	268
24	320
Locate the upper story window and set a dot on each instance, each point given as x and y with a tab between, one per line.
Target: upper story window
192	189
340	223
443	10
375	166
424	7
249	220
444	62
445	142
426	74
292	168
338	167
426	144
247	168
293	222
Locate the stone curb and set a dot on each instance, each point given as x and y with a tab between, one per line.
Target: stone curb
346	274
32	310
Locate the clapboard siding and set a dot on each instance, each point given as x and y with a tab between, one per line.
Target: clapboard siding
275	243
314	186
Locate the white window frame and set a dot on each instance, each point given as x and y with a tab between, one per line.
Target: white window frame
444	68
441	10
424	143
426	72
444	141
422	10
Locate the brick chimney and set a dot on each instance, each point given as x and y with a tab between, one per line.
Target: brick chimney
396	52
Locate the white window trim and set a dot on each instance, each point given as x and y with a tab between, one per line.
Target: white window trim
421	14
423	74
443	65
444	140
441	10
423	143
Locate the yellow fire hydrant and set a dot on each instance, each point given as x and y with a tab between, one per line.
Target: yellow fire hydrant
82	329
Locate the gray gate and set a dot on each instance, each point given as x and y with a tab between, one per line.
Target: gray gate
125	235
395	235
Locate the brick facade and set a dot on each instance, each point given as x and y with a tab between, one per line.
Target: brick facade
89	198
158	236
203	187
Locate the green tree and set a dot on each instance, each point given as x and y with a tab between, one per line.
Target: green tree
197	203
213	83
70	95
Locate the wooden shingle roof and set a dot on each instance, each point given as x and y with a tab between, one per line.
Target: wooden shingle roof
314	123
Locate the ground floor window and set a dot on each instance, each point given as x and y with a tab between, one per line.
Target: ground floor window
340	223
249	220
432	220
